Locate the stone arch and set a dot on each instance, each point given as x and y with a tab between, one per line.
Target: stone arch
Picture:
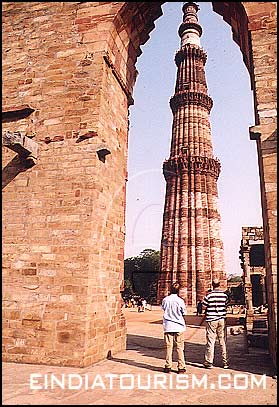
58	210
254	30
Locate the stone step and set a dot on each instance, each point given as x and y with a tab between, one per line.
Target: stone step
259	331
259	324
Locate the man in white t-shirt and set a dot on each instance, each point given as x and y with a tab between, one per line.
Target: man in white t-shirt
174	325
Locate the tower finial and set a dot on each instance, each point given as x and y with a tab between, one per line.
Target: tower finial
190	30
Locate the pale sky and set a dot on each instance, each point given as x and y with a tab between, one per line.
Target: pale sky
229	86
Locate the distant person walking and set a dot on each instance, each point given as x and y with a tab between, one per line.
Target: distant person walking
140	305
144	304
215	303
199	307
174	325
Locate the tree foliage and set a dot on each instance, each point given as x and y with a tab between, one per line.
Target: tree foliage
141	274
232	278
148	261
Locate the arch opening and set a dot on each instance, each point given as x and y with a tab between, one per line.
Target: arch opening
149	144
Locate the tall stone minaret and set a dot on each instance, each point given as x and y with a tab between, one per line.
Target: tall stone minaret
191	248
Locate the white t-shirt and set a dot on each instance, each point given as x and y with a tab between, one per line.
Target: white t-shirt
174	308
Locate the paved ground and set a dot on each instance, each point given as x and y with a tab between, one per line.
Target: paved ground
135	376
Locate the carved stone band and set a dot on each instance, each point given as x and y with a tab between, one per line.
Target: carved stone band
190	98
196	164
190	51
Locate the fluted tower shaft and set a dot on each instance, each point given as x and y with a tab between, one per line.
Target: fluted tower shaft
191	247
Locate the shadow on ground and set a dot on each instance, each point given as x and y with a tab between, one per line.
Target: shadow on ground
252	360
196	321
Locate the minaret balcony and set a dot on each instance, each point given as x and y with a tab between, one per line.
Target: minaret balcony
189	26
191	164
190	98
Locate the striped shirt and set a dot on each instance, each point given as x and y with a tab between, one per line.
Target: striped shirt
216	305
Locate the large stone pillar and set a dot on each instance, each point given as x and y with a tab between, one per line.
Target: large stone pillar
192	248
248	288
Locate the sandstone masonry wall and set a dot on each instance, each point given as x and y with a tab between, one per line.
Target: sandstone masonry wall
263	28
63	219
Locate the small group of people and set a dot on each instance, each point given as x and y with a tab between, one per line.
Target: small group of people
214	305
130	302
134	302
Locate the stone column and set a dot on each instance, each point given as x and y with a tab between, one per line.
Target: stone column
191	226
248	289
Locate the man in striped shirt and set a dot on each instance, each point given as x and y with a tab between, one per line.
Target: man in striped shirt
215	303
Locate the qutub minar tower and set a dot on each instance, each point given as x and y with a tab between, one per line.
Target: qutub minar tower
191	248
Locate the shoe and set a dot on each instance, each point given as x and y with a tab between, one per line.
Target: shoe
208	365
181	371
226	366
167	369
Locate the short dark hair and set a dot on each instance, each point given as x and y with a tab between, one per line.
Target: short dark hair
215	283
175	288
